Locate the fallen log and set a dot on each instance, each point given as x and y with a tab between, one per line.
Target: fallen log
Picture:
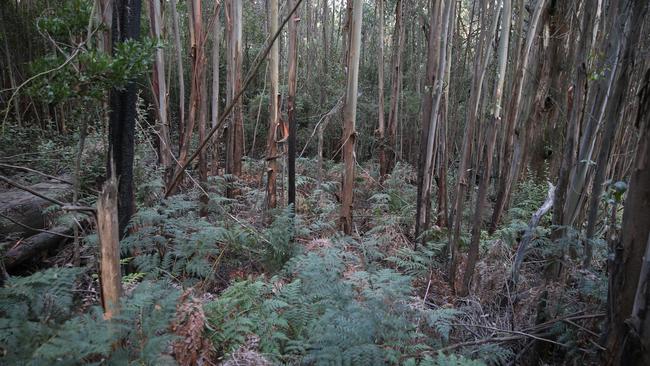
23	250
22	212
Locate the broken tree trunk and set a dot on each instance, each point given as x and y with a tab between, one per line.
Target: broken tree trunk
108	232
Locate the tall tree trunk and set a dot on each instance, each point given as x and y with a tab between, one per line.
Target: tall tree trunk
580	99
216	40
628	337
396	85
597	101
235	129
126	25
437	58
160	85
509	158
490	143
478	75
349	115
381	129
326	53
271	145
443	153
181	73
197	110
291	104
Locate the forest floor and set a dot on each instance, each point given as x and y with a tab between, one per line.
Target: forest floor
256	287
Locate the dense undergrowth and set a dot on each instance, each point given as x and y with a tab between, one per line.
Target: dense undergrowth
225	282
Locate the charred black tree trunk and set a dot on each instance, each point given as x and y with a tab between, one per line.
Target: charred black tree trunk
121	131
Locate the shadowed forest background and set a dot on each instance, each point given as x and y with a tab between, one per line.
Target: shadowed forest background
324	182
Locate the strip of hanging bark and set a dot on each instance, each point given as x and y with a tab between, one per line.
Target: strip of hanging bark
528	236
108	232
208	139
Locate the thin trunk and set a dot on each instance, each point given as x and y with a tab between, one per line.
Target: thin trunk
325	59
490	143
181	73
291	104
597	101
443	154
349	116
381	130
396	83
580	91
216	38
271	145
435	78
479	69
235	129
160	85
509	156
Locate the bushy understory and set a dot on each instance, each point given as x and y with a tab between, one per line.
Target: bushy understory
253	295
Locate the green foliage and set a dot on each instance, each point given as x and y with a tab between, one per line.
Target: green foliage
418	262
321	312
172	239
280	235
78	69
529	196
444	360
38	326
